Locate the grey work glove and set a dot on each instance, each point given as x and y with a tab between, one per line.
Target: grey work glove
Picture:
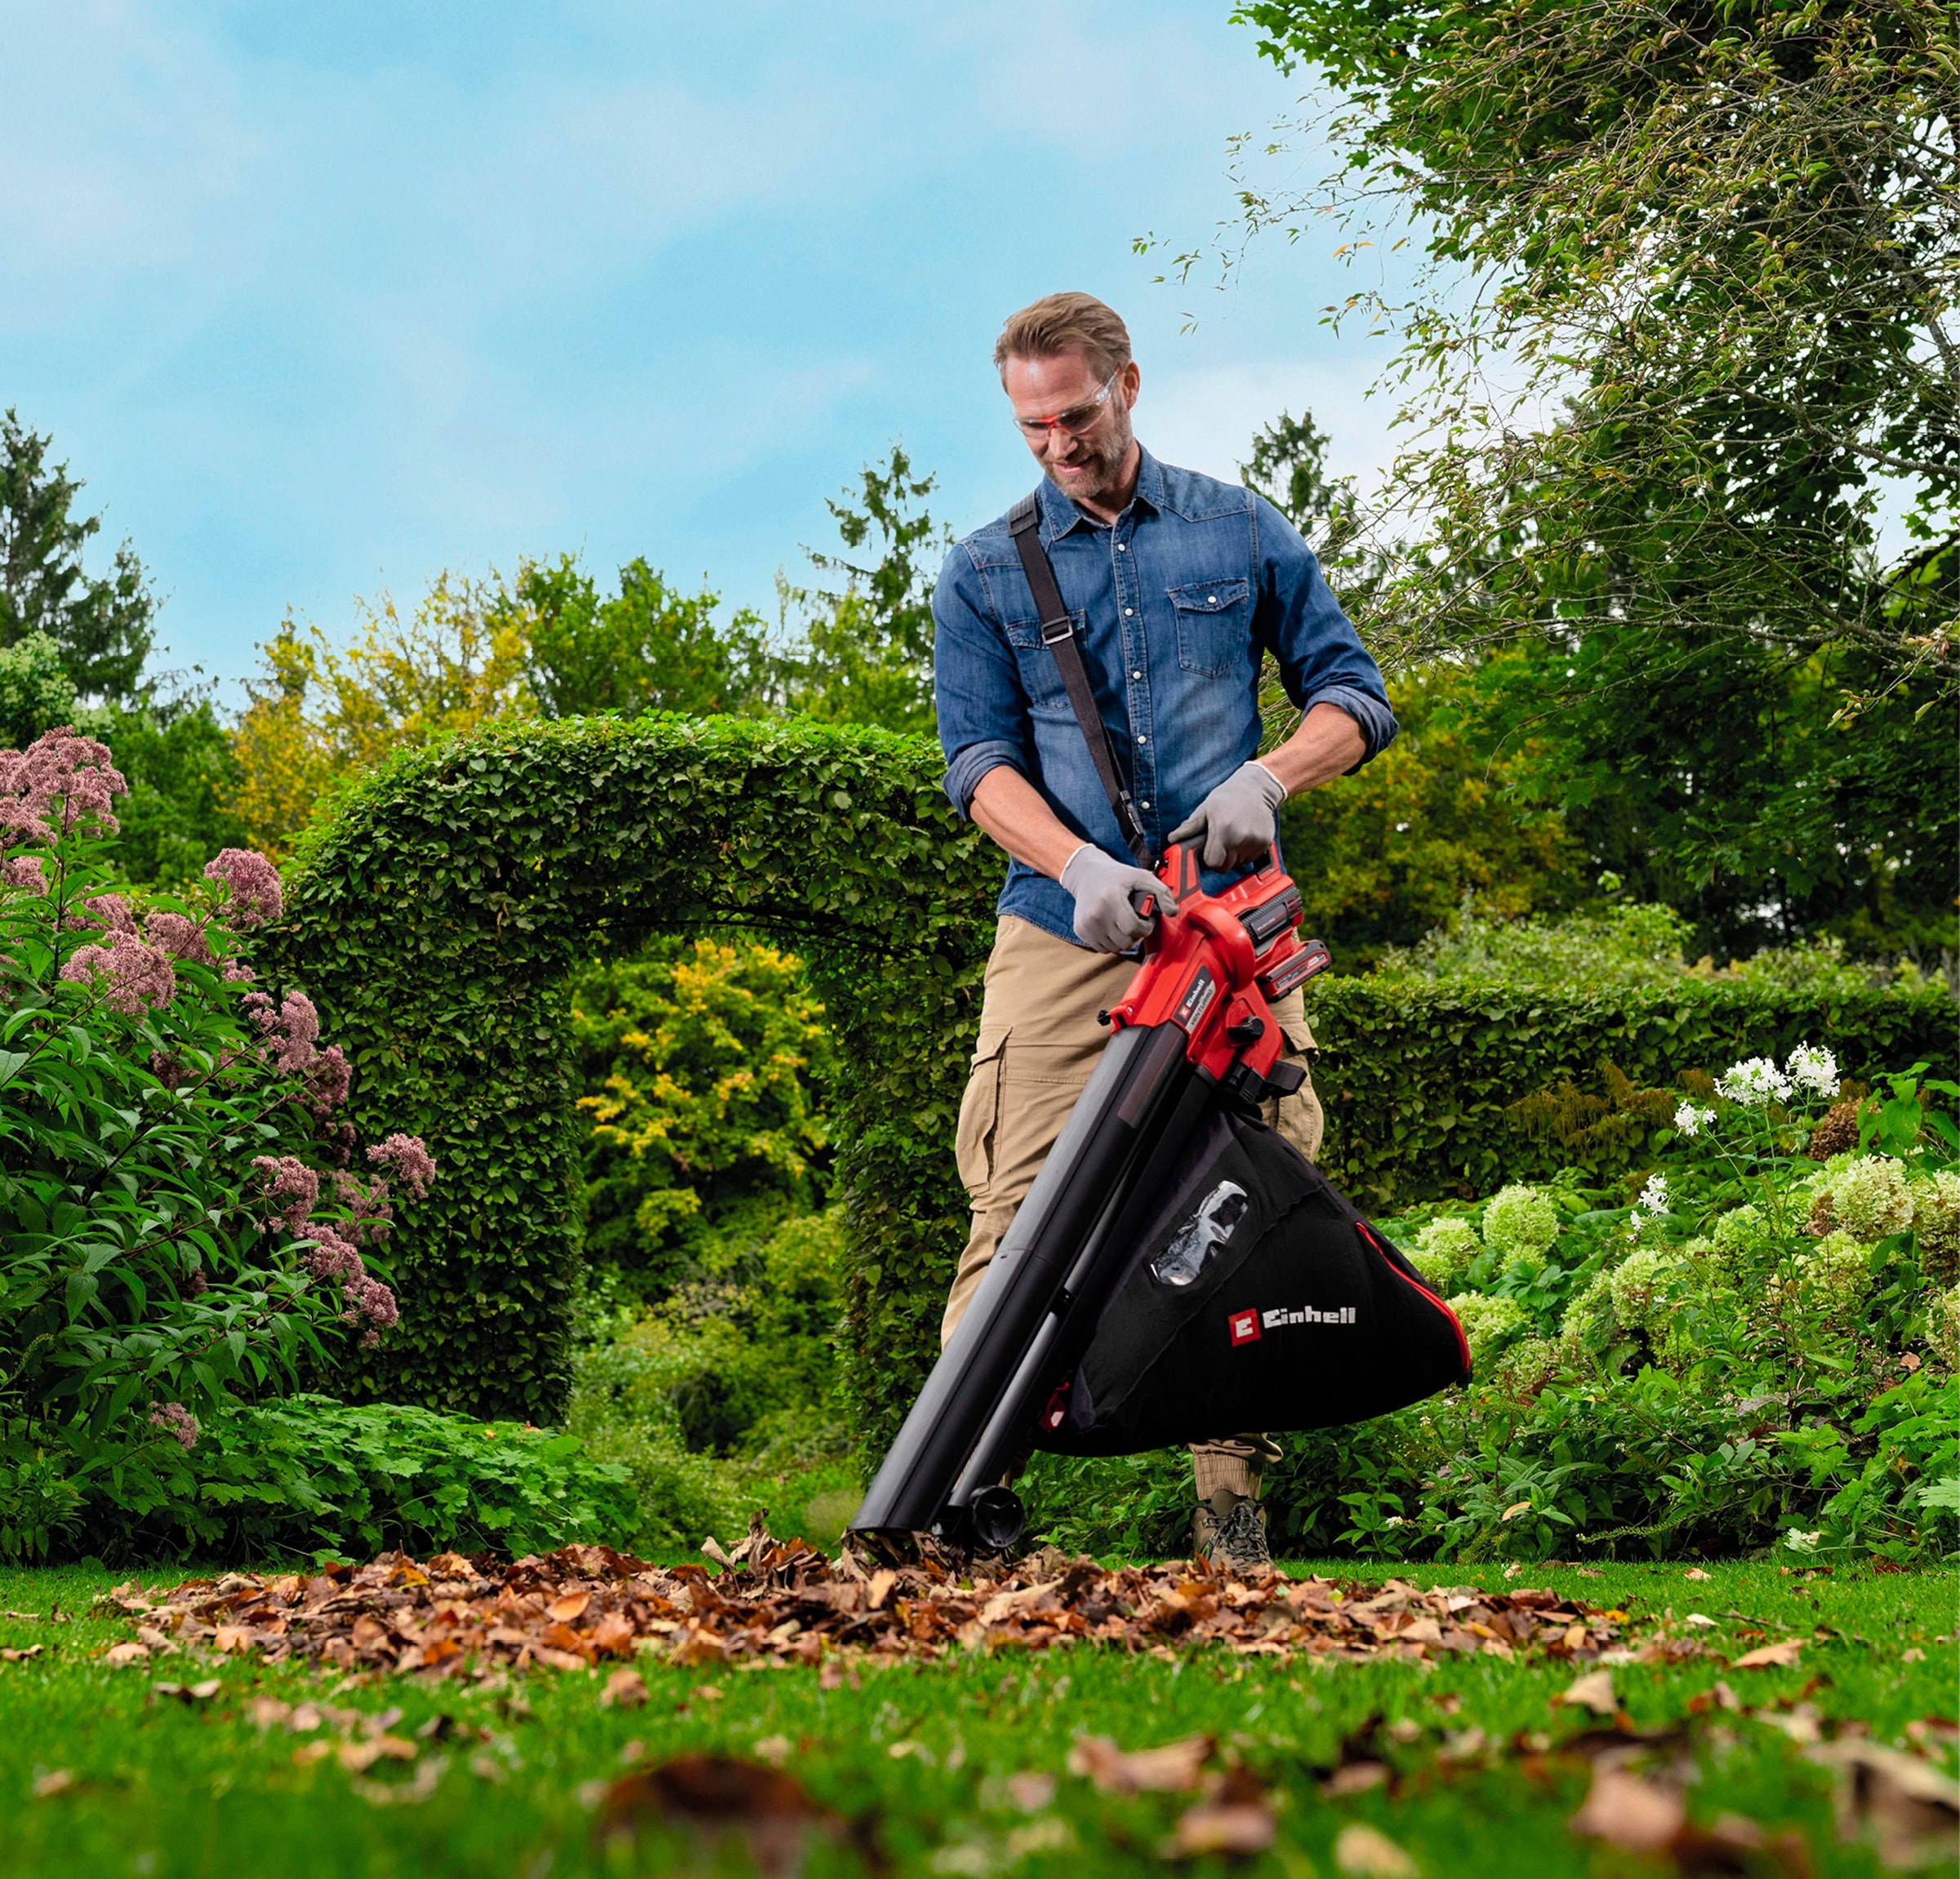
1236	818
1106	919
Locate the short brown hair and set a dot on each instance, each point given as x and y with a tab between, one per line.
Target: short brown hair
1065	322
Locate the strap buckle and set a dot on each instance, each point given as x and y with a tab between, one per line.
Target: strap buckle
1053	632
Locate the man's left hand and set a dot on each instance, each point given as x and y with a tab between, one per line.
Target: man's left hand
1236	820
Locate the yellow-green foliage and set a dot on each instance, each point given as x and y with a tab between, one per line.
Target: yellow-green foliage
704	1061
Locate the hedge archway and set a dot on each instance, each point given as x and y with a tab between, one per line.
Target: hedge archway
435	922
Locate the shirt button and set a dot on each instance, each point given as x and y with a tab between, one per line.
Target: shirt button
1128	611
1122	548
1147	805
1136	674
1211	599
1141	739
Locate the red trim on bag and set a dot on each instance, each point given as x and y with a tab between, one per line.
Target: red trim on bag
1463	1343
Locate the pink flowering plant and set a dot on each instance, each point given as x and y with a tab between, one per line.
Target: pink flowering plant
185	1218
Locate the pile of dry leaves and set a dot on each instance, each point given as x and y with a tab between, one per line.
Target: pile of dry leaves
776	1603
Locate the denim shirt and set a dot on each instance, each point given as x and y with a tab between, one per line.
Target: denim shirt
1173	604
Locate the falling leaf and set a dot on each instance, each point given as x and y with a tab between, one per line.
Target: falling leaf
1175	1767
1771	1656
1629	1813
719	1797
1593	1691
1243	1829
880	1588
1367	1854
627	1688
1909	1808
1032	1790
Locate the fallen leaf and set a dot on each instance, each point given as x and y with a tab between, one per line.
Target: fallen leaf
1696	1574
625	1687
56	1781
357	1757
572	1605
880	1588
1910	1809
719	1797
1515	1508
1243	1829
1032	1790
188	1692
1699	1618
1175	1767
1593	1691
1355	1778
708	1693
118	1655
1361	1850
1629	1813
773	1749
1912	1655
1771	1656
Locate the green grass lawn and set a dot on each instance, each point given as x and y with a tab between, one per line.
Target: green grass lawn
101	1775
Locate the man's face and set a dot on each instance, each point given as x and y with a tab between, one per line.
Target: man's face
1091	464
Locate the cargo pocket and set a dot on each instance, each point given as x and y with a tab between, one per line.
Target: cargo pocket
1299	1118
974	1139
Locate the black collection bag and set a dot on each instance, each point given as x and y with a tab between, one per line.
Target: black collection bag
1260	1299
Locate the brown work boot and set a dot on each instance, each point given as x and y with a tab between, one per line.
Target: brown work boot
1230	1530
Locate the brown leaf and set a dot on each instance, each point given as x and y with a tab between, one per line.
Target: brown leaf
1629	1813
1695	1573
1909	1807
1593	1691
1176	1766
572	1607
1243	1829
1354	1778
719	1797
357	1757
613	1637
625	1687
56	1781
1359	1849
118	1655
1032	1791
1771	1656
880	1588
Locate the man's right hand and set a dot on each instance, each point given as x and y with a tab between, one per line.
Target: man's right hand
1106	920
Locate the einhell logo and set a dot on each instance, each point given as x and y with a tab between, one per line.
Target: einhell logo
1248	1327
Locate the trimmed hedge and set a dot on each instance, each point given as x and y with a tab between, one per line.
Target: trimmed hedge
437	919
1419	1081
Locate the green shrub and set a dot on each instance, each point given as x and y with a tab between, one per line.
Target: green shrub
310	1476
703	1062
180	1226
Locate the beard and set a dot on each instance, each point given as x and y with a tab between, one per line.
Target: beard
1098	460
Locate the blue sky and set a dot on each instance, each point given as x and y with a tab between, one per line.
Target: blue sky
319	300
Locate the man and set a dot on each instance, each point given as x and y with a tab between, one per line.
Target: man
1177	583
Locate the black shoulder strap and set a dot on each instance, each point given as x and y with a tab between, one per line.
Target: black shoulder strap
1059	635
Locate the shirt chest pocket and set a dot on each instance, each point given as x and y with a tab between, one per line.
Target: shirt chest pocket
1214	626
1040	676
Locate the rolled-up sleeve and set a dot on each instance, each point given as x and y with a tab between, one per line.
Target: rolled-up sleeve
976	692
1322	658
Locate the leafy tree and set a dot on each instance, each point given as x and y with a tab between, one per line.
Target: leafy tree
36	692
1385	856
177	755
863	654
321	716
702	1060
649	648
1713	252
102	625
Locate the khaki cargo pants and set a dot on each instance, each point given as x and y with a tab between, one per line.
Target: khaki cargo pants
1039	1041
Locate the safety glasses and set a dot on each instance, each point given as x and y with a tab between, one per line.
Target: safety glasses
1074	420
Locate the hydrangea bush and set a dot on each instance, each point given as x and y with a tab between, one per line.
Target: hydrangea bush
1751	1346
185	1221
